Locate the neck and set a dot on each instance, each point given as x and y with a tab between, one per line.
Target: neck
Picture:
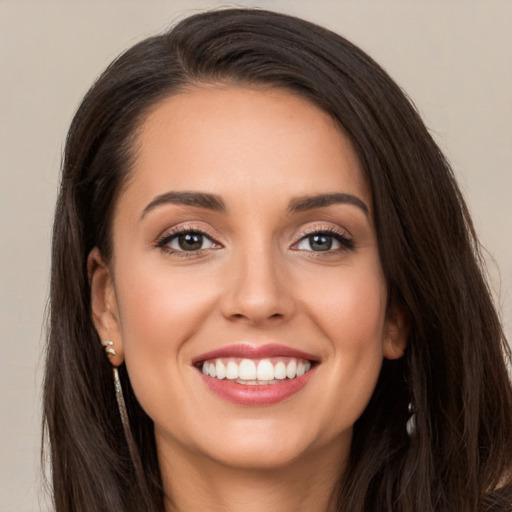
195	483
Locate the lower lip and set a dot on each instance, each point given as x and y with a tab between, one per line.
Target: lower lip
254	395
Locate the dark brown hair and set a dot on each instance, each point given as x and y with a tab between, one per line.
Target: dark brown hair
453	378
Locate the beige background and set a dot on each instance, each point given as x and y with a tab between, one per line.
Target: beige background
454	58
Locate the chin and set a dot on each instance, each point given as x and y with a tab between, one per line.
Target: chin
260	455
263	444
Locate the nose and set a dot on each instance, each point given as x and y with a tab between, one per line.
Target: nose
257	290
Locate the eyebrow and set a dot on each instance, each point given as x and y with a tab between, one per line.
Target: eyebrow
215	203
304	203
199	199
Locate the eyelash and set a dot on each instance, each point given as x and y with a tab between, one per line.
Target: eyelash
340	236
162	242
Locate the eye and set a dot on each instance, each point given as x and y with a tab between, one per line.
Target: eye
324	241
186	241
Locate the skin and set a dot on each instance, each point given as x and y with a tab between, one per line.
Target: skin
259	281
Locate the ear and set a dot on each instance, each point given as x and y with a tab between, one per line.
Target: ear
105	313
396	332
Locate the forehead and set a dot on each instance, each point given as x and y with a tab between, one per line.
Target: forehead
230	139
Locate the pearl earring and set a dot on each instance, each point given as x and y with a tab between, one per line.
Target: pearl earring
108	348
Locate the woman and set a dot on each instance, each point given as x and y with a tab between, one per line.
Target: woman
257	232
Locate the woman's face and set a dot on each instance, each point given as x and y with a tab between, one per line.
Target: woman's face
245	293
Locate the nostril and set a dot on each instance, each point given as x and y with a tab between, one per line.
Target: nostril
251	318
256	304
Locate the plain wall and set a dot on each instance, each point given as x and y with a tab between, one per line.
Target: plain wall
454	58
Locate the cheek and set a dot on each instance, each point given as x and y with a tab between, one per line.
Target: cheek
159	311
350	306
350	309
158	308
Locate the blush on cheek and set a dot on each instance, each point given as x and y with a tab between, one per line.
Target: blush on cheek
353	312
153	307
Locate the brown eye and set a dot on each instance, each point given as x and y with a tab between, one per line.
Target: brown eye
190	242
186	241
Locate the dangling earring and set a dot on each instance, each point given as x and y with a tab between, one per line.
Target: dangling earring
411	422
121	405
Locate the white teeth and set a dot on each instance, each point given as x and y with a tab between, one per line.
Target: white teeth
303	367
280	370
220	369
232	370
249	371
265	370
291	369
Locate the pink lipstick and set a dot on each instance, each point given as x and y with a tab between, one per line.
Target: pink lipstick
244	350
255	375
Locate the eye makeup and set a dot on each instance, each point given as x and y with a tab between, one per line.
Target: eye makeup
322	239
193	241
187	241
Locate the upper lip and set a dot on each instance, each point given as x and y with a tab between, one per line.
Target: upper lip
249	351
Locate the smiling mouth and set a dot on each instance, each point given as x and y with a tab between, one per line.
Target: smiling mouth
256	375
255	372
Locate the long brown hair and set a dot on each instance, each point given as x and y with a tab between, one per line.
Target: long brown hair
452	381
